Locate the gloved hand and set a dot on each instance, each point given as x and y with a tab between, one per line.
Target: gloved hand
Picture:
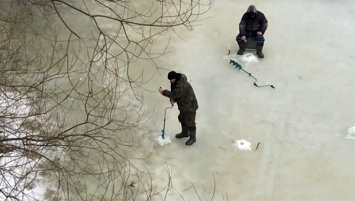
172	102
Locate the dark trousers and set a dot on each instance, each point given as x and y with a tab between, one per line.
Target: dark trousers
187	118
251	34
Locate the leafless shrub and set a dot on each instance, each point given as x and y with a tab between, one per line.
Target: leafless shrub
68	108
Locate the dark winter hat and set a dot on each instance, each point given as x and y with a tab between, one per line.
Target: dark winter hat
252	9
172	75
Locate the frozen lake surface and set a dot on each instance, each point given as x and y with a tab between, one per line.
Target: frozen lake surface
301	124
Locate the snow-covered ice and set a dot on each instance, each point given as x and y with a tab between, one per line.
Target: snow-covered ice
298	123
163	141
242	145
249	58
351	133
13	164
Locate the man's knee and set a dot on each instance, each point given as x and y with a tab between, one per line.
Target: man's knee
181	119
191	123
259	40
192	128
239	39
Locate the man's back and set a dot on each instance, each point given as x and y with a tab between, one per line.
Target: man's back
186	99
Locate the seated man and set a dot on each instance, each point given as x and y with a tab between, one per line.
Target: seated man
253	24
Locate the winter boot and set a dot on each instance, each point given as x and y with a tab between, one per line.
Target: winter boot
259	49
184	132
241	48
192	138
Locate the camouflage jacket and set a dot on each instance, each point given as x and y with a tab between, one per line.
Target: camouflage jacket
183	94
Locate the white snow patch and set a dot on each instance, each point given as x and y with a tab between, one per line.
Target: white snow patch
19	167
164	141
249	58
17	171
242	145
351	133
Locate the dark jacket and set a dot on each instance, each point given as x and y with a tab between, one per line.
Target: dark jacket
257	23
183	94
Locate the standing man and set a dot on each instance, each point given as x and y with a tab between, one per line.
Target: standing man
183	94
253	24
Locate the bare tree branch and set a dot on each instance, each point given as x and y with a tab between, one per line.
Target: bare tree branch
69	111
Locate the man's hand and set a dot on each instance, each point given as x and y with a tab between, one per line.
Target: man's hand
259	33
172	102
244	38
161	90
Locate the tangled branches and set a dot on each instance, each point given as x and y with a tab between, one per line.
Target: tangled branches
68	111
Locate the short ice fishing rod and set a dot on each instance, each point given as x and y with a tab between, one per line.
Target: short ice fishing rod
239	67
